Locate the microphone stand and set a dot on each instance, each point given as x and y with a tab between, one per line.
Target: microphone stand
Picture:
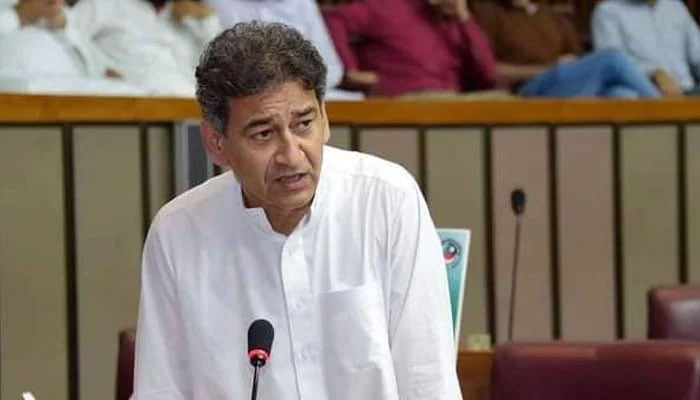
513	277
254	391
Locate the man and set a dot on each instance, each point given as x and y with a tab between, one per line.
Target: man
42	52
335	248
303	15
393	47
152	43
539	52
659	35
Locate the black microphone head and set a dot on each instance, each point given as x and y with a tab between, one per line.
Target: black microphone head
260	336
517	201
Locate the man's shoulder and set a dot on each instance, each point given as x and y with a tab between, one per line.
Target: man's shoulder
199	199
367	168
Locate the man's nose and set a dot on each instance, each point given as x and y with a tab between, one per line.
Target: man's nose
289	151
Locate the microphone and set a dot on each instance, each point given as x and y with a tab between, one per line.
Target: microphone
260	337
517	203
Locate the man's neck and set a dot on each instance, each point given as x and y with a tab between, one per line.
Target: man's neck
284	221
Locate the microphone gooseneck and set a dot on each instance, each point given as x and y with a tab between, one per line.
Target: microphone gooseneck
260	337
517	202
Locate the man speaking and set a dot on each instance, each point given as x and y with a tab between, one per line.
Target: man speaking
335	249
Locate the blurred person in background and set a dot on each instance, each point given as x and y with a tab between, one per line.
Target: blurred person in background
302	15
154	44
660	36
41	52
399	47
539	55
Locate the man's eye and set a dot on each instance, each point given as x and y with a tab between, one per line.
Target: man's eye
305	124
264	135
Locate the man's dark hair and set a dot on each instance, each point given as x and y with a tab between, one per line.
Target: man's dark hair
251	57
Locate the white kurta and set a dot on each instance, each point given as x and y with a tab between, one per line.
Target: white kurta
304	16
144	46
357	293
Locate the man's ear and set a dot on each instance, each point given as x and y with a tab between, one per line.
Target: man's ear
213	144
326	123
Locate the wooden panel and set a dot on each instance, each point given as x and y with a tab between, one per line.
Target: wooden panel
32	264
399	145
585	232
109	236
649	218
520	160
455	165
160	163
692	201
474	372
341	137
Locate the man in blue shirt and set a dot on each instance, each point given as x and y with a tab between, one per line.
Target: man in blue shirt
659	35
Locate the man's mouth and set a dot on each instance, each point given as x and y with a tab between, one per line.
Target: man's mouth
293	181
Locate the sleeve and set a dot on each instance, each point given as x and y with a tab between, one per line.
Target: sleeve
479	61
692	41
9	20
90	16
203	30
161	371
605	30
420	328
95	61
344	22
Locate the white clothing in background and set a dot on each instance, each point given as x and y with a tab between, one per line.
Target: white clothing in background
303	15
357	293
9	20
35	59
191	36
141	44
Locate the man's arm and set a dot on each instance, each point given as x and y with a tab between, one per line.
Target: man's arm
420	325
512	73
161	368
480	63
344	22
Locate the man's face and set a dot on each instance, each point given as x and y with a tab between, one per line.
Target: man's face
274	145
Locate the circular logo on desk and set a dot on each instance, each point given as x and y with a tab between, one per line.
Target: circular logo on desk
451	251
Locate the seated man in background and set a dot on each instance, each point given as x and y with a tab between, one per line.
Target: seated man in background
154	44
302	15
410	47
659	35
538	53
42	53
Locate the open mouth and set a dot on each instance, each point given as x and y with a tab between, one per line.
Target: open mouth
293	181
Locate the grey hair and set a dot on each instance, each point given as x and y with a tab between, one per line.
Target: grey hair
251	57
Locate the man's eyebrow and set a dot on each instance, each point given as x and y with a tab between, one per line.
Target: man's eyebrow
304	112
257	122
